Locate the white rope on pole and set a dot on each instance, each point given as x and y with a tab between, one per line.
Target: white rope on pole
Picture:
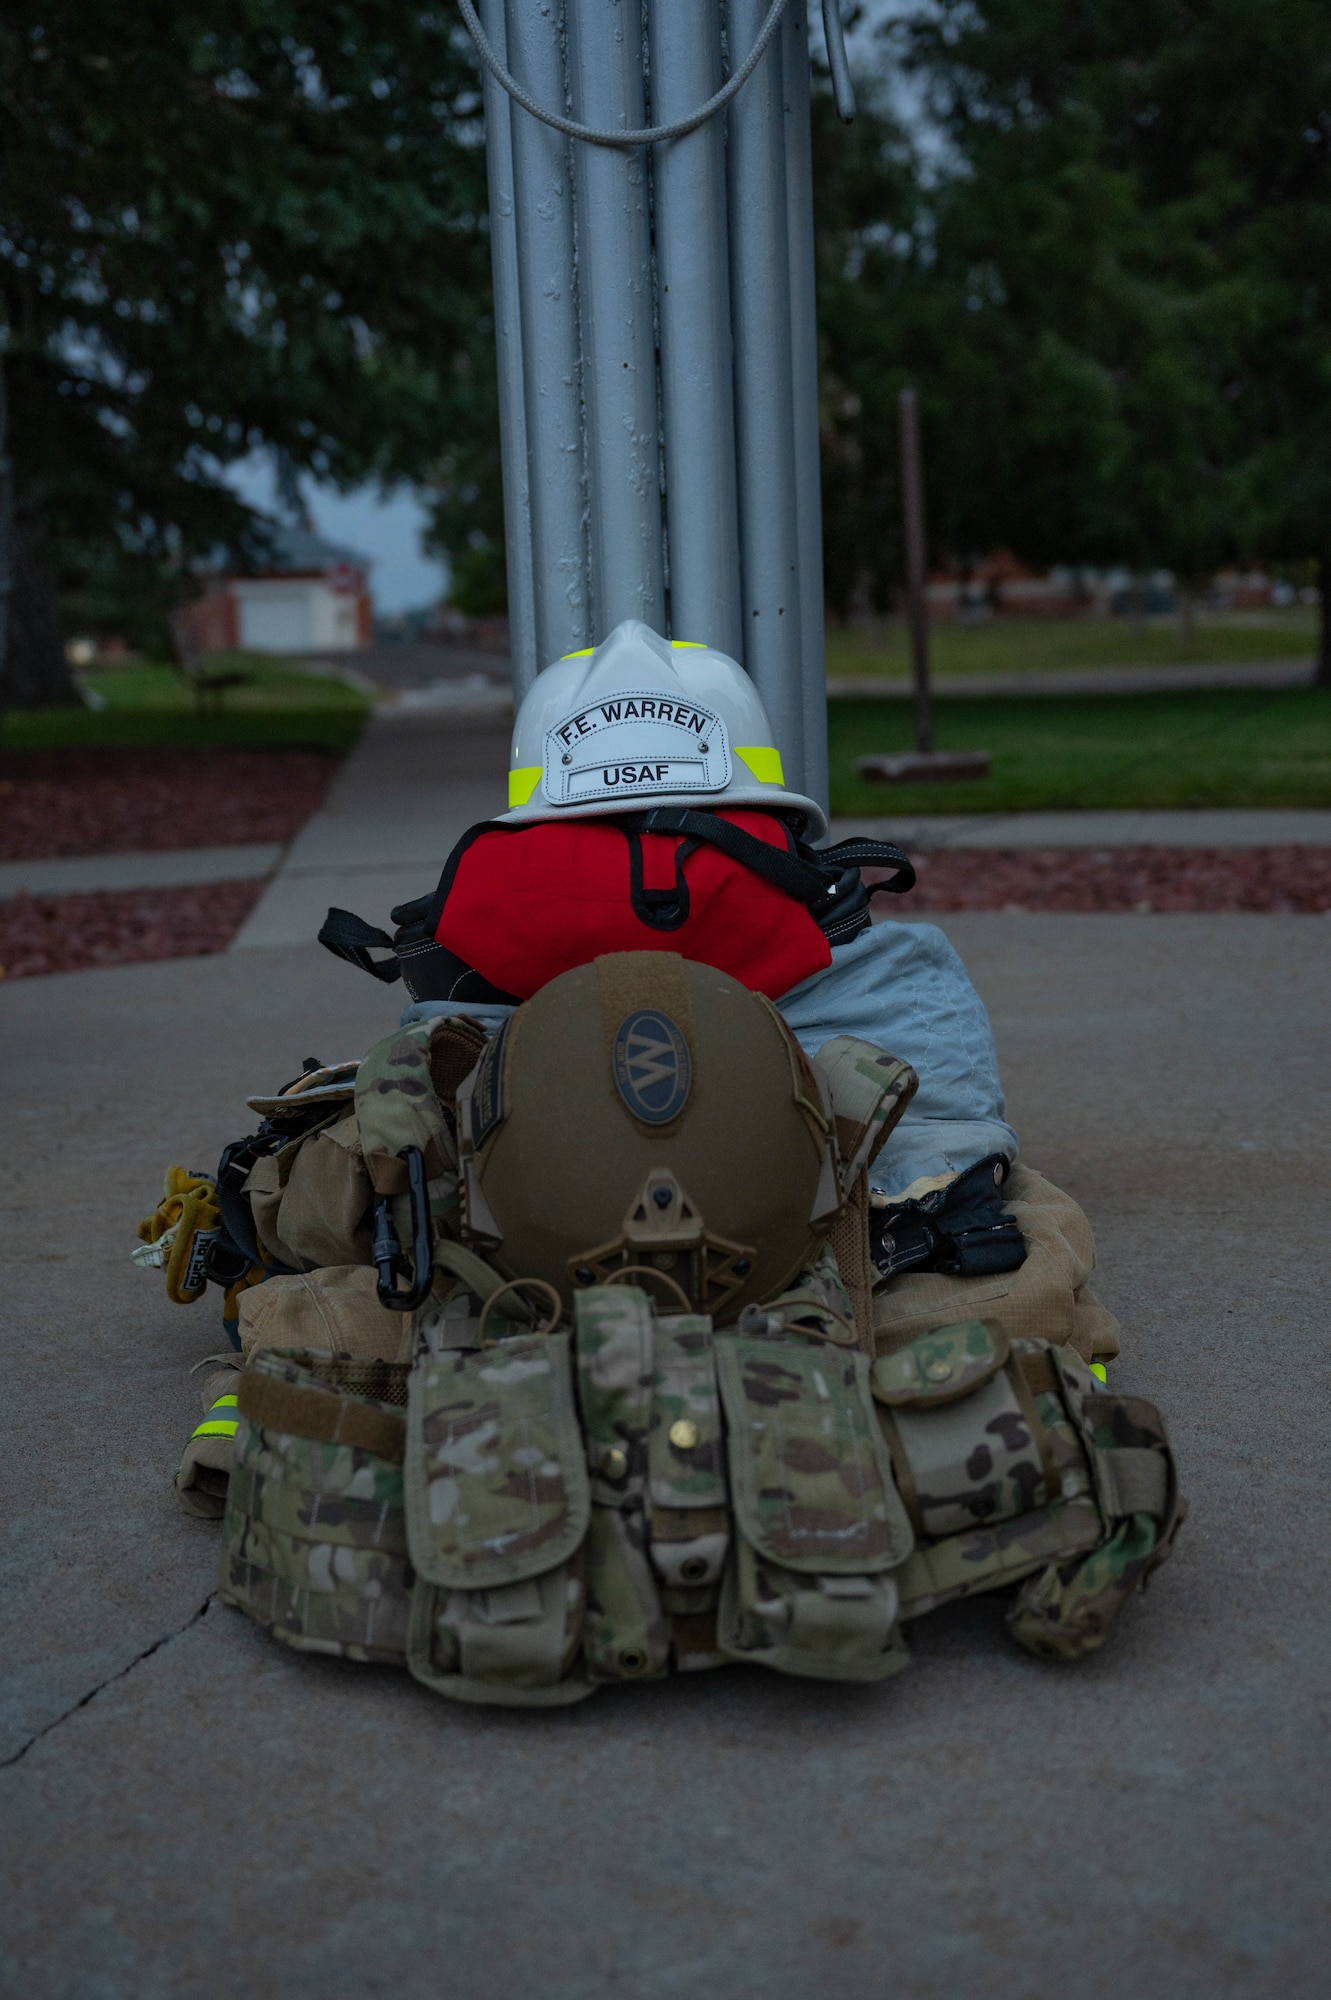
652	135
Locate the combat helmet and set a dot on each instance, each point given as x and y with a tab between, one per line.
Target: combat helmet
644	721
648	1113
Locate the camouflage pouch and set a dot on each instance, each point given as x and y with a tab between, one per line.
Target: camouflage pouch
497	1509
818	1522
626	1636
1069	1609
396	1107
1073	1497
314	1542
968	1444
977	1477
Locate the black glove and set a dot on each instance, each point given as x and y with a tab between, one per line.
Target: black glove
960	1229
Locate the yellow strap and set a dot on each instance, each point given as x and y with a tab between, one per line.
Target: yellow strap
522	783
763	761
1098	1368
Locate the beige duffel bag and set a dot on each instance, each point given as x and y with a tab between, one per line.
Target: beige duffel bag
1049	1298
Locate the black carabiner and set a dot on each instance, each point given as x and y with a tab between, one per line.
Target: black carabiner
386	1252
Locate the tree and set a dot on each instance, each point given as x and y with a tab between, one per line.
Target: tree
1111	286
224	224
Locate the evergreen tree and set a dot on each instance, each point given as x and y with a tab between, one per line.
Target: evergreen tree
224	224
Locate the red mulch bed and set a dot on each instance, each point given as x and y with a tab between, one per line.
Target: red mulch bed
140	801
40	934
1294	879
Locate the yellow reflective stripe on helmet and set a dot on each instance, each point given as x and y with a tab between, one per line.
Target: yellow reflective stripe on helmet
583	653
521	784
763	761
690	645
215	1426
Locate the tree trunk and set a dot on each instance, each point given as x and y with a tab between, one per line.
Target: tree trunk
35	673
1187	612
6	522
1322	676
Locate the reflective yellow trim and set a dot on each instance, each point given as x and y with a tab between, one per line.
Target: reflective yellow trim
584	653
691	645
521	784
1098	1368
214	1426
763	761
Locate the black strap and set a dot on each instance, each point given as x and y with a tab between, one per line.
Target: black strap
813	876
860	853
350	937
660	909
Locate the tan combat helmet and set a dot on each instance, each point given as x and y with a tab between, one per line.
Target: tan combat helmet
647	1112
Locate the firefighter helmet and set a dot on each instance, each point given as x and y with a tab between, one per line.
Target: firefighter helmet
641	721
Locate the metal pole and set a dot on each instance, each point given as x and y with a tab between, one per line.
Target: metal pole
508	345
912	494
615	309
546	279
693	308
804	359
764	418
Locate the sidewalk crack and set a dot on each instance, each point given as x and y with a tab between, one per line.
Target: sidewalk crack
110	1681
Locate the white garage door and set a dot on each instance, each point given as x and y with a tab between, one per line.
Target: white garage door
276	620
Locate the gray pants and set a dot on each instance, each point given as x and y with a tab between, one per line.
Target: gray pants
902	987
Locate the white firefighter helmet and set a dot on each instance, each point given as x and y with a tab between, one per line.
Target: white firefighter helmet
641	721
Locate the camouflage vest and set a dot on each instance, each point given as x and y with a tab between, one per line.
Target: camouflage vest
520	1519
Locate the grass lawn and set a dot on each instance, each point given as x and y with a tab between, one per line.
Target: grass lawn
150	707
1230	747
1044	645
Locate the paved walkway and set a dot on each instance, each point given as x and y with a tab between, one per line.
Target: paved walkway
195	1813
1221	827
1082	680
176	868
409	790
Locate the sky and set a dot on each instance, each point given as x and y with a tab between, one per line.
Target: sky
387	531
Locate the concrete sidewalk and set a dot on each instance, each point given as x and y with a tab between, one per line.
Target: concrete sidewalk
408	791
1081	680
1244	826
173	868
191	1813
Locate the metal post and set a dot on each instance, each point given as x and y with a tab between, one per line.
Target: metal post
615	306
804	360
764	418
693	307
508	344
546	279
912	494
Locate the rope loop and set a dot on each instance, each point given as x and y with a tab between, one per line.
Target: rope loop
651	135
